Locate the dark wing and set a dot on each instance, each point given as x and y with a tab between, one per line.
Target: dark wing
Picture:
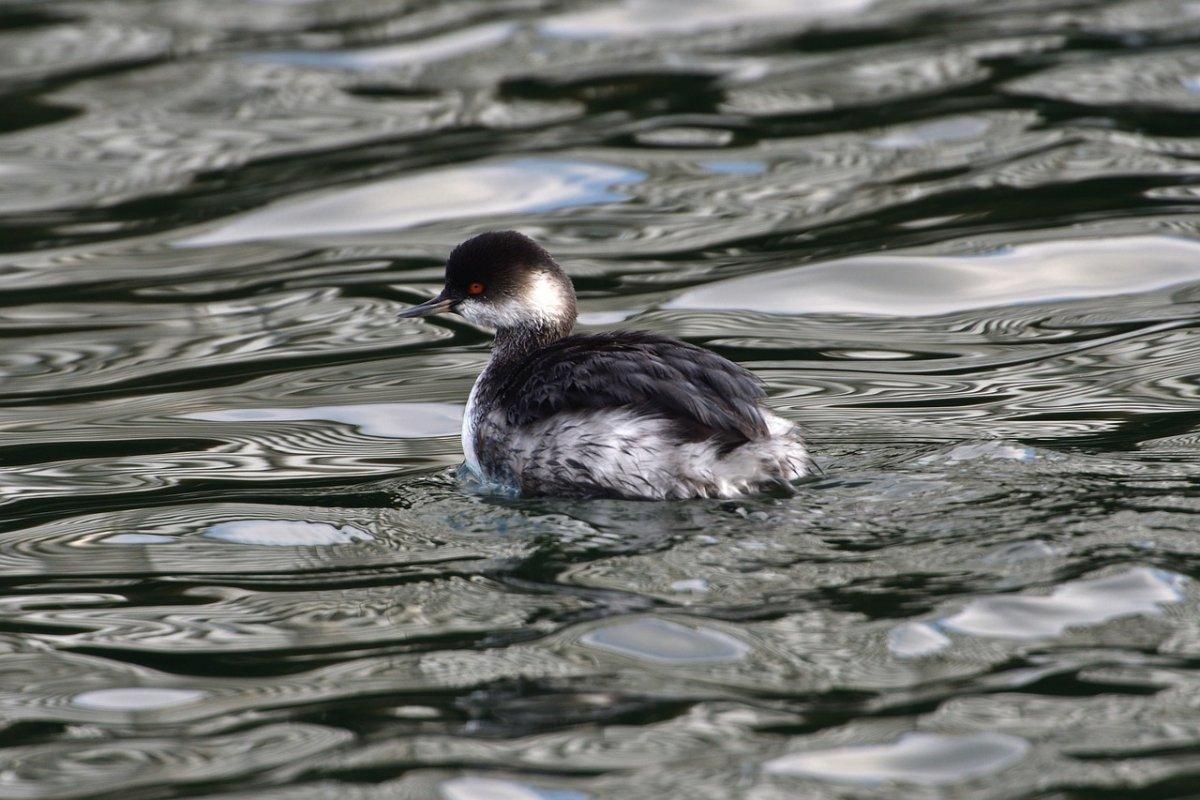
709	393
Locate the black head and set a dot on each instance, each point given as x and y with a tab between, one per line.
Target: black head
504	279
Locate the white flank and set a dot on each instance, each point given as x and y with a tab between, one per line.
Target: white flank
468	429
636	455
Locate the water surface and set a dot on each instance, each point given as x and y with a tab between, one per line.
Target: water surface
959	242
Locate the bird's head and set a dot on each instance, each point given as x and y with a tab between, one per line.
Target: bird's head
504	280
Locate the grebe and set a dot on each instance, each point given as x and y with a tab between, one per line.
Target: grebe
622	414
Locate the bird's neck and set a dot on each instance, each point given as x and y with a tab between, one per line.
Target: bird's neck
548	315
513	344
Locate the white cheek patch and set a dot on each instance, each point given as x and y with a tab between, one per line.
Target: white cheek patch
505	314
543	300
546	296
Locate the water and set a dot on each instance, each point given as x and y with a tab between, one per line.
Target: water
958	241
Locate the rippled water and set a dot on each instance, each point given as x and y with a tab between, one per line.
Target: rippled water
958	241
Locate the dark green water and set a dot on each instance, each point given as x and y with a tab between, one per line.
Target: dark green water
958	240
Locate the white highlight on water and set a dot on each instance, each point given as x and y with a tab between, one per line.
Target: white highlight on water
284	533
136	698
665	642
915	284
923	758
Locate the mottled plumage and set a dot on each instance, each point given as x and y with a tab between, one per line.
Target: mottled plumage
626	413
653	373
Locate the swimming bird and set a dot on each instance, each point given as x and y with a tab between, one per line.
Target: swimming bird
628	414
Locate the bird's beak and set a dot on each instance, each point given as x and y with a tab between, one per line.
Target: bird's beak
438	305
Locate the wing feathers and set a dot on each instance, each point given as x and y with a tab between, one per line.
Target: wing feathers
658	373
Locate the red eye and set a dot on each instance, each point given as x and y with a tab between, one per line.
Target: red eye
475	288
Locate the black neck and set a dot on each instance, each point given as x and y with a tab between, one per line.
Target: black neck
513	344
510	350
